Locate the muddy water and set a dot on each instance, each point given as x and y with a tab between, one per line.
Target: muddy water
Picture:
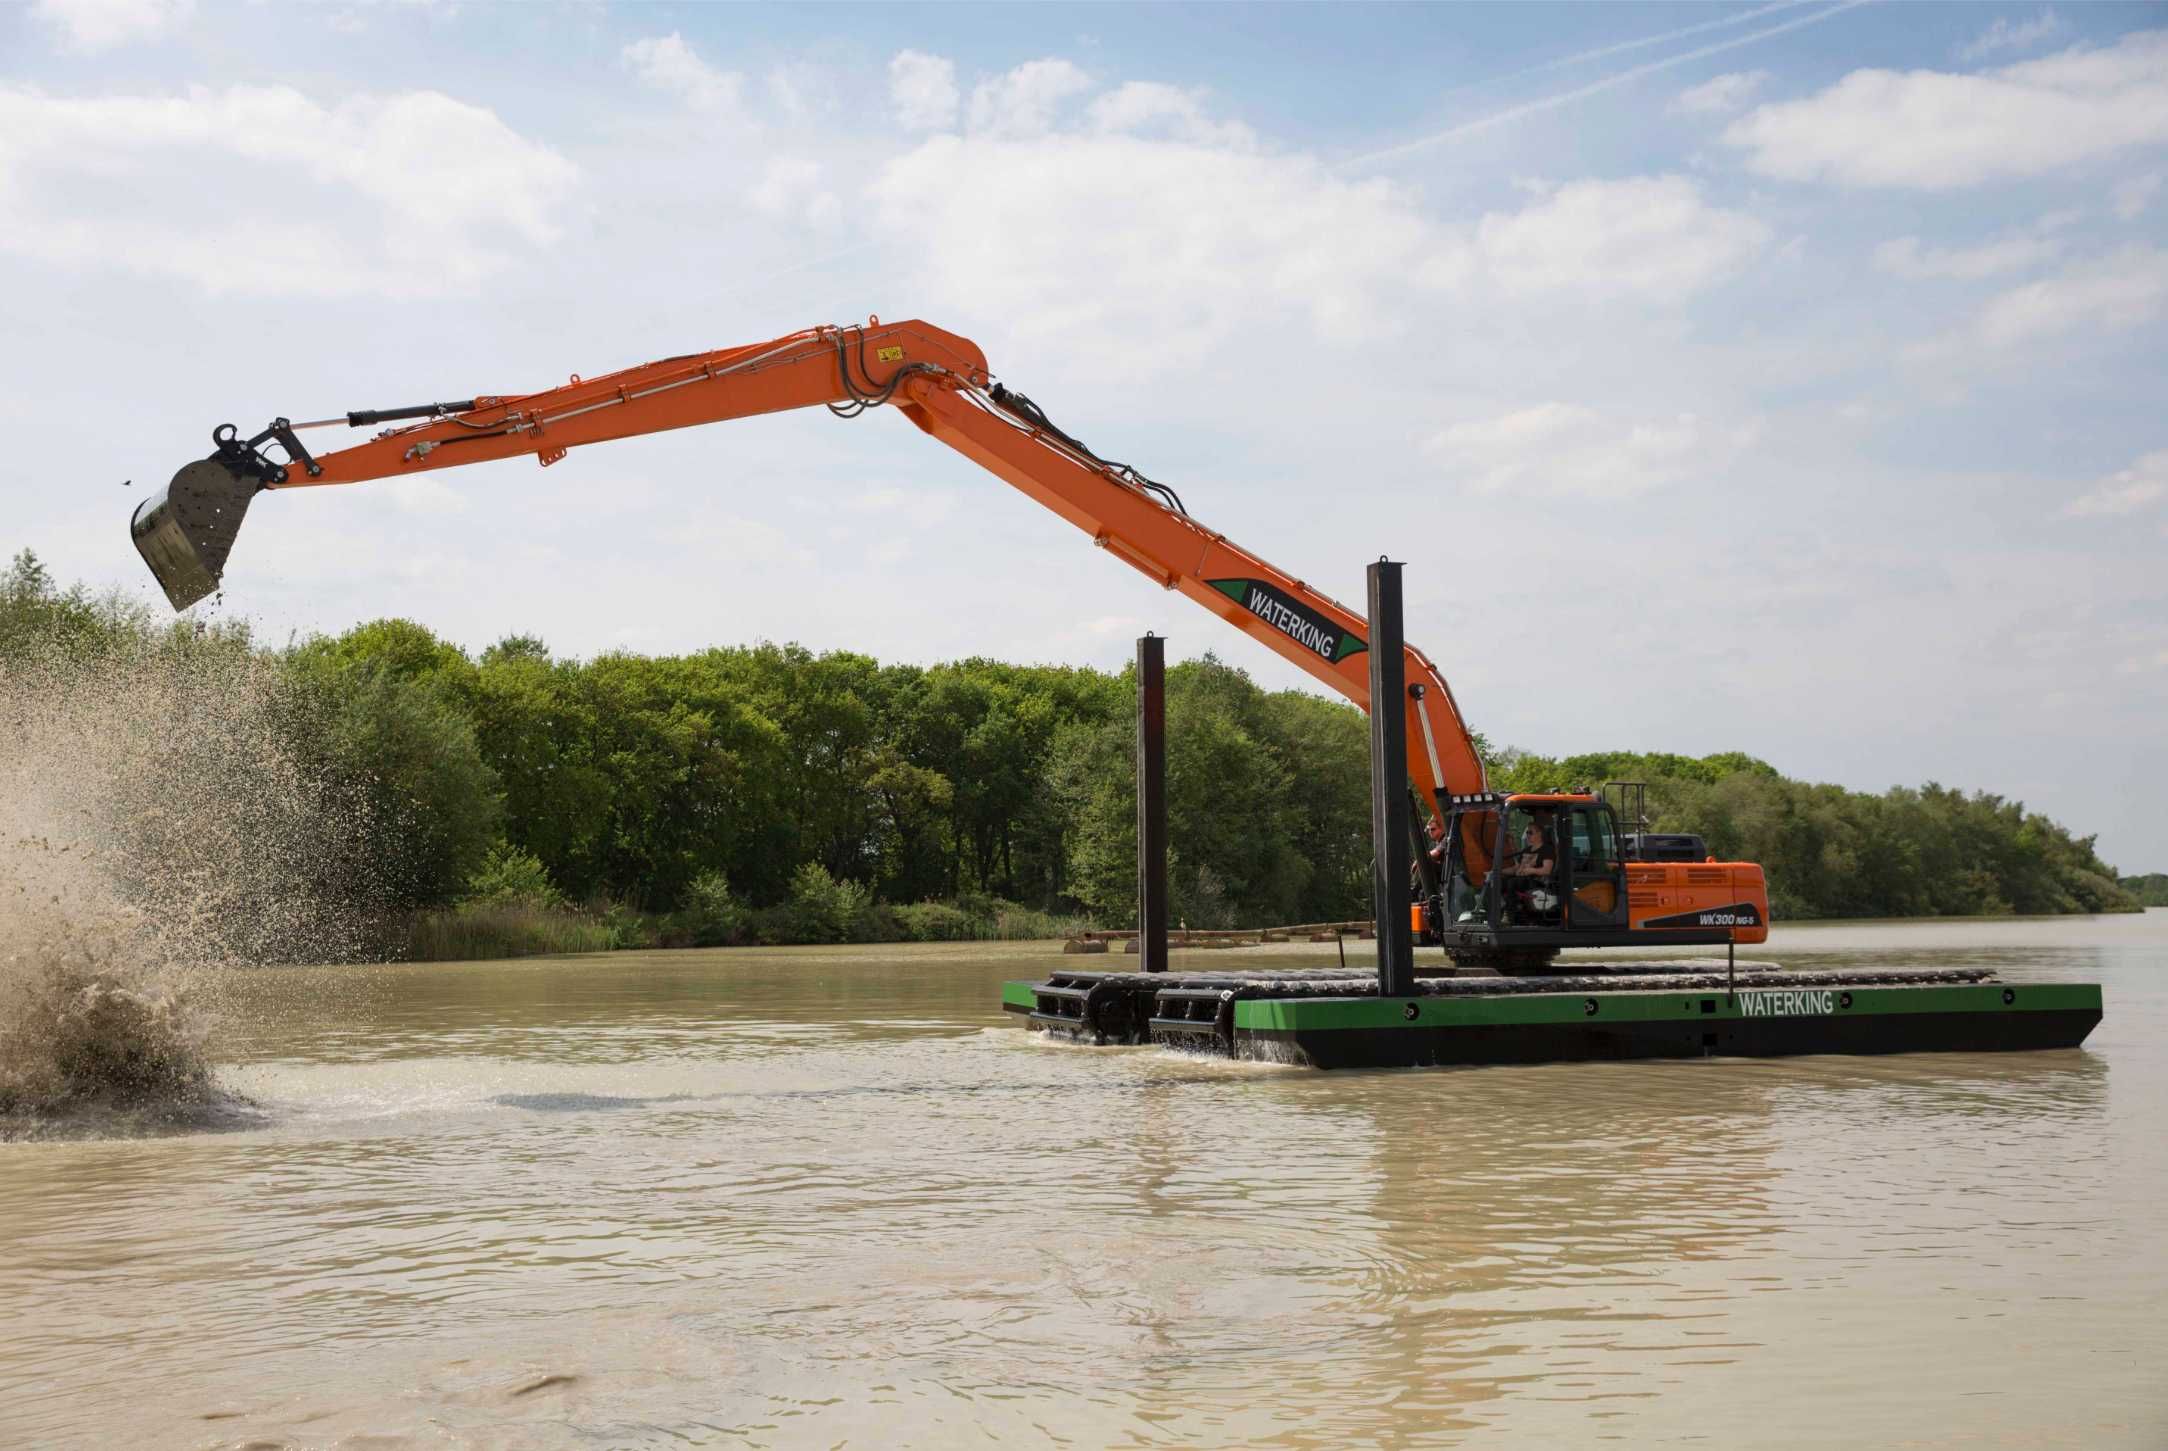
826	1198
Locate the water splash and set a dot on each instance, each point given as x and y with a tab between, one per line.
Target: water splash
155	833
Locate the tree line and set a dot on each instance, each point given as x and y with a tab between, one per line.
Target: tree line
1929	851
770	792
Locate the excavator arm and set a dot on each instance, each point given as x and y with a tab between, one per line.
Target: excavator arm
937	380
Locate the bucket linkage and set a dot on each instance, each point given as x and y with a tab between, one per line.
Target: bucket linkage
185	530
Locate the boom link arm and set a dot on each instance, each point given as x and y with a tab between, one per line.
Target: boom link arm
941	383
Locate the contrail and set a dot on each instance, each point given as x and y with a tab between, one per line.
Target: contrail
1513	113
1625	45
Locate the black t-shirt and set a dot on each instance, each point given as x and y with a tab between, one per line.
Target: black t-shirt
1534	860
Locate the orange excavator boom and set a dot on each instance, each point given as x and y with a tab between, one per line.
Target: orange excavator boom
937	380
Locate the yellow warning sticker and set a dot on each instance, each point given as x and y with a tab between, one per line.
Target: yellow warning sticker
889	355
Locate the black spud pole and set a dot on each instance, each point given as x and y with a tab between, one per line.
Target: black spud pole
1152	804
1389	826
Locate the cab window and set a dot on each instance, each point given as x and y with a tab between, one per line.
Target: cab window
1518	820
1595	842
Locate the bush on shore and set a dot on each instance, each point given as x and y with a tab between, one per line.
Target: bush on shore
712	915
509	877
819	909
475	931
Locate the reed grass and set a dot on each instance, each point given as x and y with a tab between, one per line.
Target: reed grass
480	931
1028	924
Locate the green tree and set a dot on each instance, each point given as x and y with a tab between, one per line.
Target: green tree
825	709
1326	747
35	613
535	725
401	748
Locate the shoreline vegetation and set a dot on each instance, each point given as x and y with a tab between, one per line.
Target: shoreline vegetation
516	802
512	909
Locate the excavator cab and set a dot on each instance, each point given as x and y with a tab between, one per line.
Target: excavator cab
1525	875
1529	873
1531	859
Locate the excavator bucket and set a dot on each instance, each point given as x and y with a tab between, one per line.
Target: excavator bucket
186	529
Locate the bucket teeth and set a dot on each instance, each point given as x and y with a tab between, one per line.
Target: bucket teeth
186	529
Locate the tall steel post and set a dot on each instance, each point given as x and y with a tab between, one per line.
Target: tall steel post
1152	804
1389	821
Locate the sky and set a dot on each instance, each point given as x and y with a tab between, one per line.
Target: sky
1779	377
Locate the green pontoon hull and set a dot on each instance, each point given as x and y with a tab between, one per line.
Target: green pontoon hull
1338	1021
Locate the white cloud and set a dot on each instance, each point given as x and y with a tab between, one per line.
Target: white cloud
1567	449
1653	236
1937	131
2024	35
1023	101
738	540
1723	94
269	192
669	65
90	26
2123	290
2080	306
2127	491
2132	197
1119	239
1905	257
792	187
1137	107
892	507
800	93
923	89
1193	229
426	494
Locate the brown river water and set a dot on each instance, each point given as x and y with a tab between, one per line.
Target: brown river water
833	1197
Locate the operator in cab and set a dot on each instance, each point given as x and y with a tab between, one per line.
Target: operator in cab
1526	877
1535	857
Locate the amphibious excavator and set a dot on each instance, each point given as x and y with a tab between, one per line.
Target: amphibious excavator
1515	876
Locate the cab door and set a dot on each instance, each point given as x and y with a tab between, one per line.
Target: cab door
1596	895
1463	901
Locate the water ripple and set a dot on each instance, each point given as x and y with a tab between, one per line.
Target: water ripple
687	1201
